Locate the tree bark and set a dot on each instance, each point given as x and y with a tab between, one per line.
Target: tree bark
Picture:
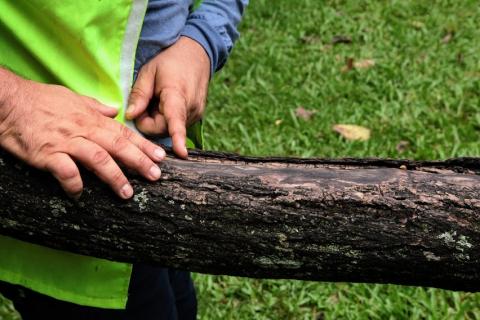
355	220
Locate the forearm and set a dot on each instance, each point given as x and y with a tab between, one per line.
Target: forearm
8	85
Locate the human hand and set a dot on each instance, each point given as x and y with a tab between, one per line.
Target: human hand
178	77
50	126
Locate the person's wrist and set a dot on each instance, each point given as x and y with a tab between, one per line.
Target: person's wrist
9	83
13	90
198	50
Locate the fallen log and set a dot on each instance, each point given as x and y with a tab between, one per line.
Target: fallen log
355	220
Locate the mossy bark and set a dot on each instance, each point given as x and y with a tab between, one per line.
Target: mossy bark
355	220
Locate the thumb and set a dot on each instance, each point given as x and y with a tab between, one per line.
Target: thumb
100	107
141	93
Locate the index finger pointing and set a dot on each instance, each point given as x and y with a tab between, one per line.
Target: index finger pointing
174	109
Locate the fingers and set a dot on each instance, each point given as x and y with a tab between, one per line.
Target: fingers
174	109
152	125
103	109
121	148
66	172
153	151
171	117
141	93
97	159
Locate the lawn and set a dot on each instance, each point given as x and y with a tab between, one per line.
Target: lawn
410	72
420	99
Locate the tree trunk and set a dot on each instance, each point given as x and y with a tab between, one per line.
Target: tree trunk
355	220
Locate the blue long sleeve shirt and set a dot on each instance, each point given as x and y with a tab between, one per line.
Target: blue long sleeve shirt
213	25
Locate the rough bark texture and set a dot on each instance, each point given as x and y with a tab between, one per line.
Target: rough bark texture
356	220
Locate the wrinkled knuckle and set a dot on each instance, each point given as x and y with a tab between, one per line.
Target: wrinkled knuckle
80	120
46	148
126	132
119	143
137	92
100	158
65	132
118	178
91	134
144	161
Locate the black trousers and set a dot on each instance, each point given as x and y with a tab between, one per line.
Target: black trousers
154	293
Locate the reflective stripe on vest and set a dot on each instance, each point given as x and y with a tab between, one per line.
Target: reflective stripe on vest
89	47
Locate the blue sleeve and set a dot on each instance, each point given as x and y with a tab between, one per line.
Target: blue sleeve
214	26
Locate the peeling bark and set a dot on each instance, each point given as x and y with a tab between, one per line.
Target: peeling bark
355	220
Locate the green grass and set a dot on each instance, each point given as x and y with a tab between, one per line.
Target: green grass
421	90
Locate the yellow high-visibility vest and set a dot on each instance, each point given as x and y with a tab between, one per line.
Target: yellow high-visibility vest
89	47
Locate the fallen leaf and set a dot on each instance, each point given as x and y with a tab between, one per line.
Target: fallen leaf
364	64
352	132
303	113
278	122
348	65
402	146
338	39
447	38
417	24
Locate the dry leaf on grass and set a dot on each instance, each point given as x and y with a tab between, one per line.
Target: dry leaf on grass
350	64
303	113
447	38
417	24
352	132
364	64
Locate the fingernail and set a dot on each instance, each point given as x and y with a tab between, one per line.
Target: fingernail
155	172
159	153
130	110
126	191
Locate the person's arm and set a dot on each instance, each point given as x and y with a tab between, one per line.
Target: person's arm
50	126
214	25
178	76
8	85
